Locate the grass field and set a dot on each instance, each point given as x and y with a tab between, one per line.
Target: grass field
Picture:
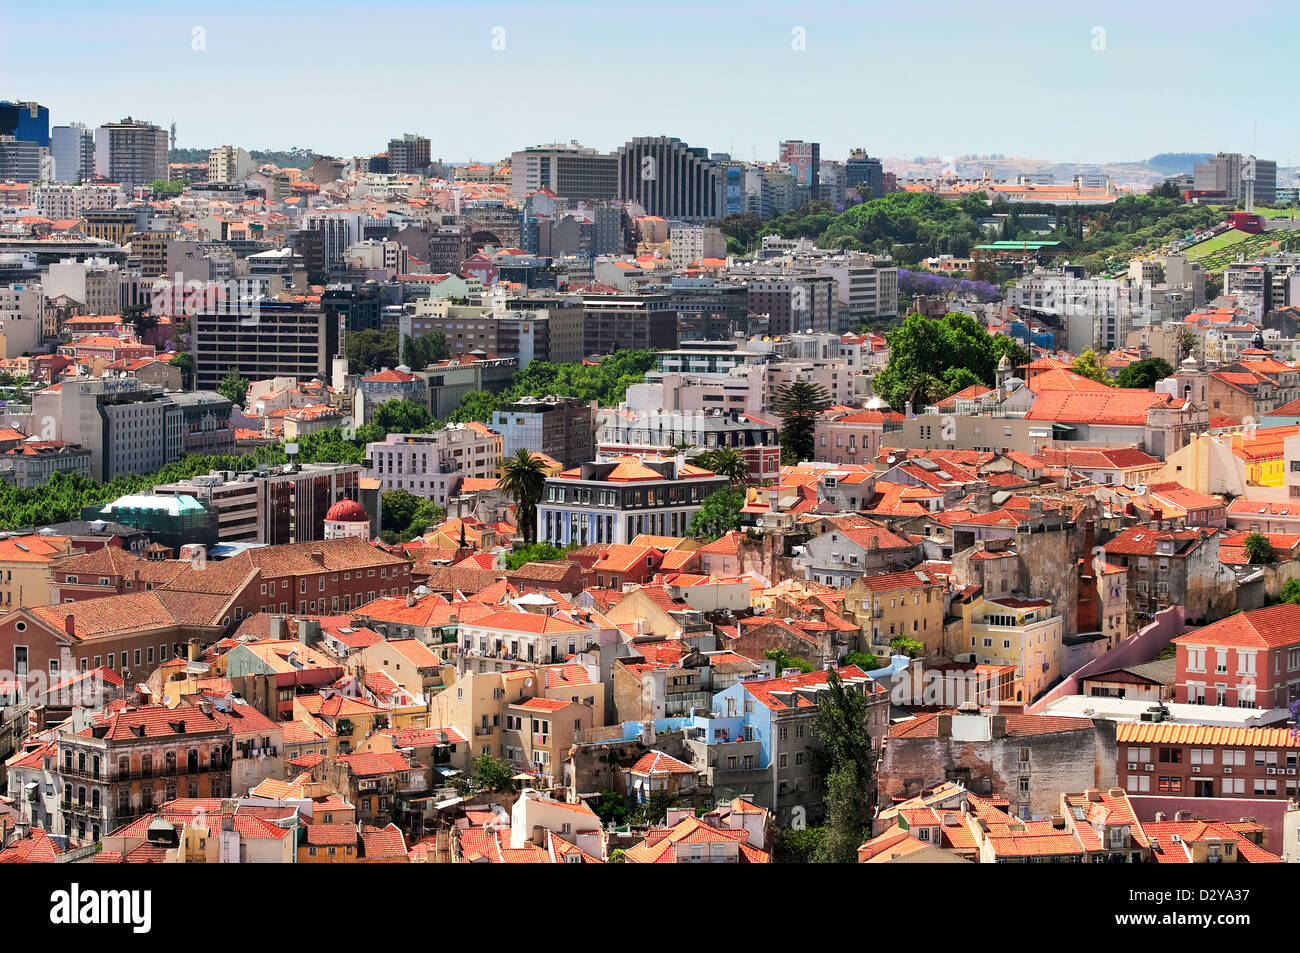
1277	212
1217	243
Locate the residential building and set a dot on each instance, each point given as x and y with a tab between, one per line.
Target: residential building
1203	761
1248	660
130	760
563	428
131	152
778	713
615	501
434	465
1024	759
1025	633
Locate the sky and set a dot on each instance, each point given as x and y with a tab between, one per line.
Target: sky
1075	82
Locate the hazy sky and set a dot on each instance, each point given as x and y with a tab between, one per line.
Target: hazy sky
1086	82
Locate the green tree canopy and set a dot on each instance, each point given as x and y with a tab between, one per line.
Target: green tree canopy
929	359
784	660
1089	365
371	350
1258	549
418	353
1144	374
234	386
725	462
846	760
403	416
719	514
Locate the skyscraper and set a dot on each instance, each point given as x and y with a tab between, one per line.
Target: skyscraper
569	170
27	122
862	169
804	160
131	152
668	178
408	155
73	148
1222	173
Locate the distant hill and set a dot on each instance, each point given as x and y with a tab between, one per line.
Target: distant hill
1174	162
284	158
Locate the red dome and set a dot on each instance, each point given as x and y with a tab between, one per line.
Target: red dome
347	511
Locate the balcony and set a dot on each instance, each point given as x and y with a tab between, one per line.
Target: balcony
482	731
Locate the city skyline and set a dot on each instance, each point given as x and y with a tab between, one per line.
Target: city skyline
781	75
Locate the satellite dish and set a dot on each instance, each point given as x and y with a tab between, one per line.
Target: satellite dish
167	700
528	683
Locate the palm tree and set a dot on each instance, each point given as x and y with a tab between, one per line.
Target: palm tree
924	390
799	403
524	478
728	462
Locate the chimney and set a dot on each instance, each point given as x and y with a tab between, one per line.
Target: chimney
192	650
318	557
1092	794
410	599
998	726
1182	815
277	627
1161	816
69	624
943	725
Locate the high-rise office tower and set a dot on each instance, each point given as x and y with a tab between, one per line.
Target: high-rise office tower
670	179
73	148
131	152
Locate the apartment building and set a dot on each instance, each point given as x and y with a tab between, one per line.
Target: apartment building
1025	633
281	338
131	152
1248	660
1161	758
627	322
563	428
130	761
128	427
434	465
616	501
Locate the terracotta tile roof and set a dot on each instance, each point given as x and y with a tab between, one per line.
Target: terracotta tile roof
622	558
153	721
530	622
657	762
383	843
1172	734
766	691
369	764
1166	851
1115	407
331	835
36	848
33	549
